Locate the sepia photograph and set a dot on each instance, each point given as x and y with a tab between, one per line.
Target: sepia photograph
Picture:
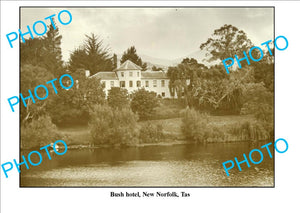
146	96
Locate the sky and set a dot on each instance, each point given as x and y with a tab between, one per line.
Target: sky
166	33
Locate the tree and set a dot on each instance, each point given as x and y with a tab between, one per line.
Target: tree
78	59
143	103
183	78
154	68
113	126
226	42
131	55
32	52
118	98
98	56
53	58
32	76
92	56
39	132
264	70
44	52
73	106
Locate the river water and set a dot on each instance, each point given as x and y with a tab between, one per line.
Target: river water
176	165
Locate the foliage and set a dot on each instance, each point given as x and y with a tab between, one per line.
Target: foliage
32	76
250	131
151	133
92	56
143	103
44	52
39	132
118	98
264	70
78	59
183	78
113	127
154	68
130	54
207	89
258	100
73	106
195	126
225	42
53	62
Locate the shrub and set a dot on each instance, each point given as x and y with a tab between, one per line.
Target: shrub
250	131
151	133
117	98
39	132
113	127
196	127
73	106
143	103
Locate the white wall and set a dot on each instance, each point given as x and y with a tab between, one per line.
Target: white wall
108	85
136	76
158	89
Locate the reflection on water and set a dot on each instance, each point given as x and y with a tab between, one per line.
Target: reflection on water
177	165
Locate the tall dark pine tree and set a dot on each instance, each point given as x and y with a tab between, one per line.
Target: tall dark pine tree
78	59
92	56
98	57
53	57
32	52
44	52
130	54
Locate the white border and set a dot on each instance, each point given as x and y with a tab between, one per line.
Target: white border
283	198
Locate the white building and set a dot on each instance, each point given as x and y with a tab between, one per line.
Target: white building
129	76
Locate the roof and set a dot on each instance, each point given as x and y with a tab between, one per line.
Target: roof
106	75
153	75
128	65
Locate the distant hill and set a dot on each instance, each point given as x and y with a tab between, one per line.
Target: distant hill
199	55
152	61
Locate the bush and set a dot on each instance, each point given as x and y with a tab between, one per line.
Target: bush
117	98
250	131
113	127
151	133
143	103
39	132
196	127
73	106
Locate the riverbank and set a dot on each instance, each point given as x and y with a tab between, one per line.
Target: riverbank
79	136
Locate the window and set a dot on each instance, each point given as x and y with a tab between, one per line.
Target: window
130	84
147	83
122	74
163	94
154	83
112	83
138	84
122	83
130	74
104	84
138	74
162	83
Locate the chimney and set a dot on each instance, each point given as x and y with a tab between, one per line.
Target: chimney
87	73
